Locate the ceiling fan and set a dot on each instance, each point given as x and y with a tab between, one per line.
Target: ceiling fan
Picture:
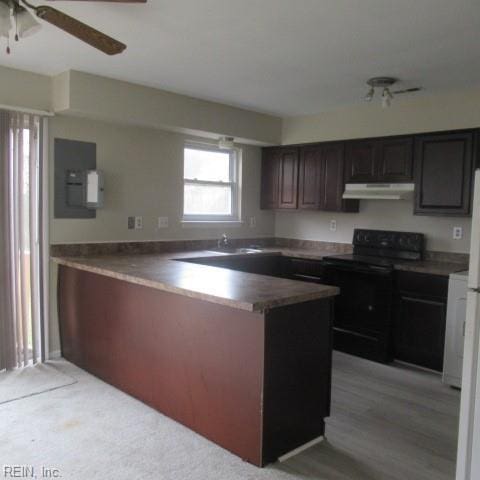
385	83
25	23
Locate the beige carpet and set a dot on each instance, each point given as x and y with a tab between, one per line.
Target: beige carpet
388	423
32	380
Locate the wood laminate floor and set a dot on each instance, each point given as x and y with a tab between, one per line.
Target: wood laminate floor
388	422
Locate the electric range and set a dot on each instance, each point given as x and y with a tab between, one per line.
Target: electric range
363	310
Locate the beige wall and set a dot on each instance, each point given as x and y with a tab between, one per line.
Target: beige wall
80	94
409	114
374	214
84	95
24	89
143	173
424	113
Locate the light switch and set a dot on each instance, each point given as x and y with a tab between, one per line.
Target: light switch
131	223
138	223
333	225
457	233
252	222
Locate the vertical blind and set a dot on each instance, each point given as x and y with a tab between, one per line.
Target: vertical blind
20	296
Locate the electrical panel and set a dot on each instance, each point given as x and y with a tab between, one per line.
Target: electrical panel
79	186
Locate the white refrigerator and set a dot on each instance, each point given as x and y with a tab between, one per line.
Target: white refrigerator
468	459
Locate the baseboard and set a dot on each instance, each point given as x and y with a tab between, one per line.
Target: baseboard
300	449
416	367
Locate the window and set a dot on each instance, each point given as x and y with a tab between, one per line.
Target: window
210	178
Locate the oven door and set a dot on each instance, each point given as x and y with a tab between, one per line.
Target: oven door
362	322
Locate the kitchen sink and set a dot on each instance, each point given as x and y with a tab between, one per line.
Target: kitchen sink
235	250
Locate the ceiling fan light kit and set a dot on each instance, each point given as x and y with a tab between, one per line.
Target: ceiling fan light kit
16	13
5	20
385	84
26	24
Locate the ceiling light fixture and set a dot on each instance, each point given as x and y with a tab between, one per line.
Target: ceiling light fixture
26	24
381	82
387	98
5	20
370	94
12	13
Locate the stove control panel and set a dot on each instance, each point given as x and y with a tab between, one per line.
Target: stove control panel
388	243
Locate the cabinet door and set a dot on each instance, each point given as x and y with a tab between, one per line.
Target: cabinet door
443	173
310	178
333	183
303	269
395	160
360	162
288	181
419	331
270	175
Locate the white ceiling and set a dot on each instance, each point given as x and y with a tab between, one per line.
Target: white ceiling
288	57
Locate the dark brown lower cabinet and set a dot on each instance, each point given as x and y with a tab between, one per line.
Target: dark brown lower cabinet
256	383
420	319
303	269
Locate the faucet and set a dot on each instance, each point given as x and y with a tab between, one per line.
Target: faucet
223	242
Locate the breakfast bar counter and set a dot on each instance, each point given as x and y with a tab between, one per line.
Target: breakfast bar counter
243	359
174	273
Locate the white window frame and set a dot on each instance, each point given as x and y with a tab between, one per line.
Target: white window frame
234	184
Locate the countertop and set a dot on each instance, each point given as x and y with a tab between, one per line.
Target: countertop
431	267
246	291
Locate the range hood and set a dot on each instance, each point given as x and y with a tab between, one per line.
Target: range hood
379	191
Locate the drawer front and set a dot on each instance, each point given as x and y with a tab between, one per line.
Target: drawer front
422	284
306	270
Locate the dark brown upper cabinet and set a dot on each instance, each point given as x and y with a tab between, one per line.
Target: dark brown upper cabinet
288	181
395	160
360	162
279	178
311	177
444	165
321	183
269	186
379	160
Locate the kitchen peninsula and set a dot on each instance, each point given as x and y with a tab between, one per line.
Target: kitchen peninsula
241	358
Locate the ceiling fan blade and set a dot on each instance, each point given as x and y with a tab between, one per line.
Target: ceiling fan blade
408	90
82	31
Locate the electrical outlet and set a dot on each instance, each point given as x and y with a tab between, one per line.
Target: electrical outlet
457	233
162	222
131	223
252	222
333	225
138	223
